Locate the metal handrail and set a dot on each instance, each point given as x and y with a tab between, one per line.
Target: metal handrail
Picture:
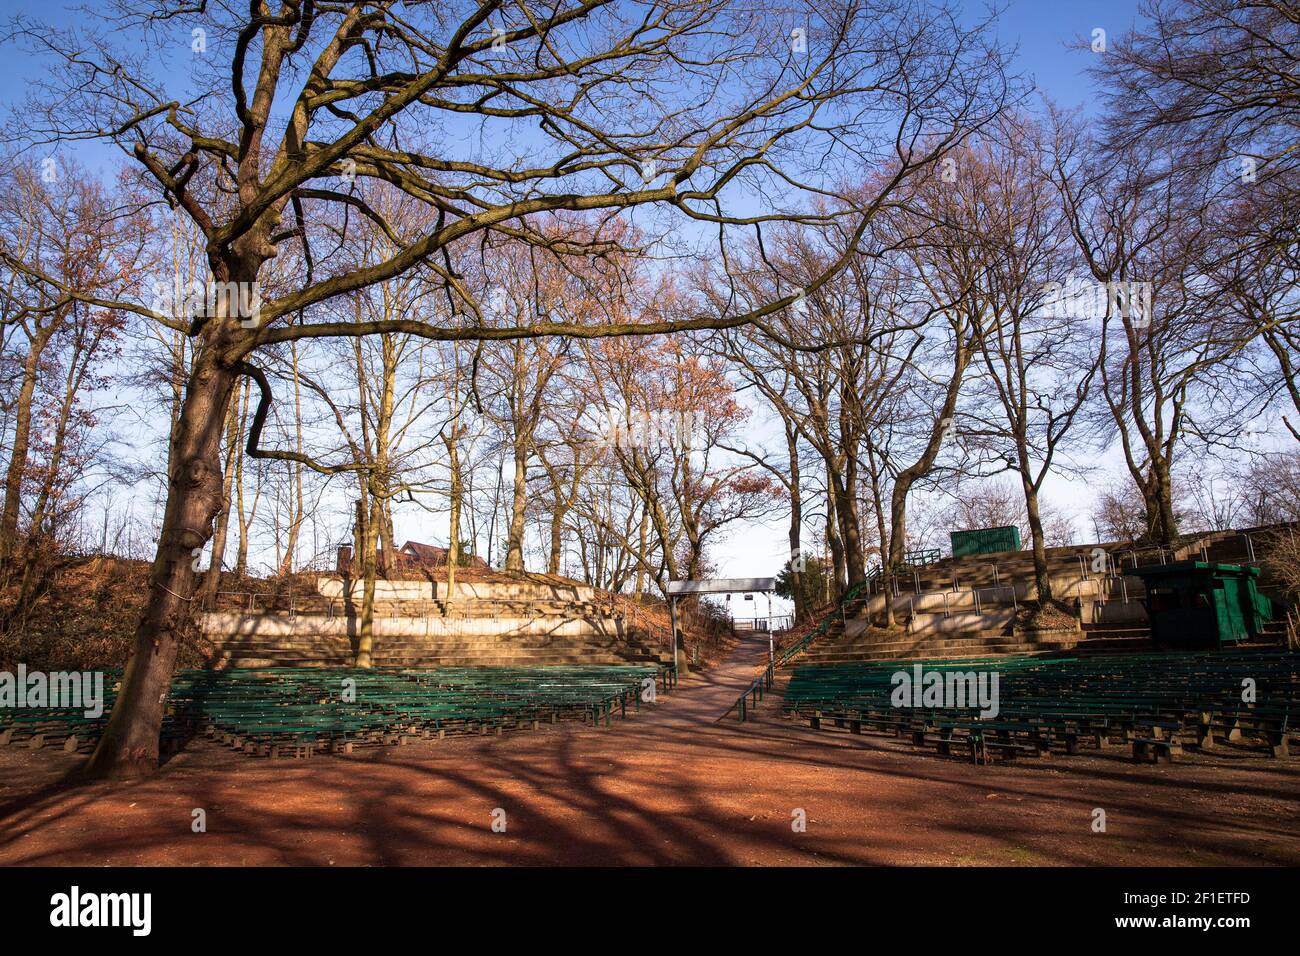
773	622
807	639
998	587
251	595
763	682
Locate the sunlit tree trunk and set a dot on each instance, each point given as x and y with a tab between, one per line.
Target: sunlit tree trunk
129	745
20	445
369	572
212	581
518	504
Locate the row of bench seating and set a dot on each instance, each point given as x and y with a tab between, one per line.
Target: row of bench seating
1155	703
282	712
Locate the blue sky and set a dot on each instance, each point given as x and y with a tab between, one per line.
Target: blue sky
1040	29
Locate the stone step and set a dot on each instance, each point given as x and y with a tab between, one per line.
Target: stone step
934	643
224	626
985	643
501	651
926	654
1108	632
1112	645
327	642
554	660
524	626
570	660
987	635
420	610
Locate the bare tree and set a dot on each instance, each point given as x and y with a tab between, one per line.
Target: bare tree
359	81
1038	358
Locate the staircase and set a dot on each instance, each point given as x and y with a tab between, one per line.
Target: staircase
980	593
906	647
963	608
1103	639
481	625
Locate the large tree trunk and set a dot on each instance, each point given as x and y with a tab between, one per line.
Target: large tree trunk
557	542
212	582
515	552
369	571
1042	580
129	745
897	543
796	524
1165	522
642	557
19	449
387	539
559	509
878	503
244	519
846	510
833	538
47	495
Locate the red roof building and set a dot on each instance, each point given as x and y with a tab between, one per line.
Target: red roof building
413	554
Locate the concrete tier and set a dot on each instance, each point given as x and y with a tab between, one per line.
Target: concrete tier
263	640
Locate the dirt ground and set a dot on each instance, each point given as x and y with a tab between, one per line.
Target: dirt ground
672	785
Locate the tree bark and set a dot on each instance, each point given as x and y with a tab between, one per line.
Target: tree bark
244	519
557	542
212	582
129	745
20	447
369	572
515	552
641	555
846	511
833	538
1042	580
801	608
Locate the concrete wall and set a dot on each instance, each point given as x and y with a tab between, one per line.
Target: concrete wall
1115	601
218	625
962	621
1066	587
1114	612
992	619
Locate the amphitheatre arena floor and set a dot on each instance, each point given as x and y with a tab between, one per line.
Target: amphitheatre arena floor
670	786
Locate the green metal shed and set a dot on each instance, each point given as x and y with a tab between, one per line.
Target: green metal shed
985	541
1199	603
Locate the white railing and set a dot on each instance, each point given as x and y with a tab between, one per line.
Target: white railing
775	622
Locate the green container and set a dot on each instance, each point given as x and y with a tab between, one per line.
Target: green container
1201	604
985	541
